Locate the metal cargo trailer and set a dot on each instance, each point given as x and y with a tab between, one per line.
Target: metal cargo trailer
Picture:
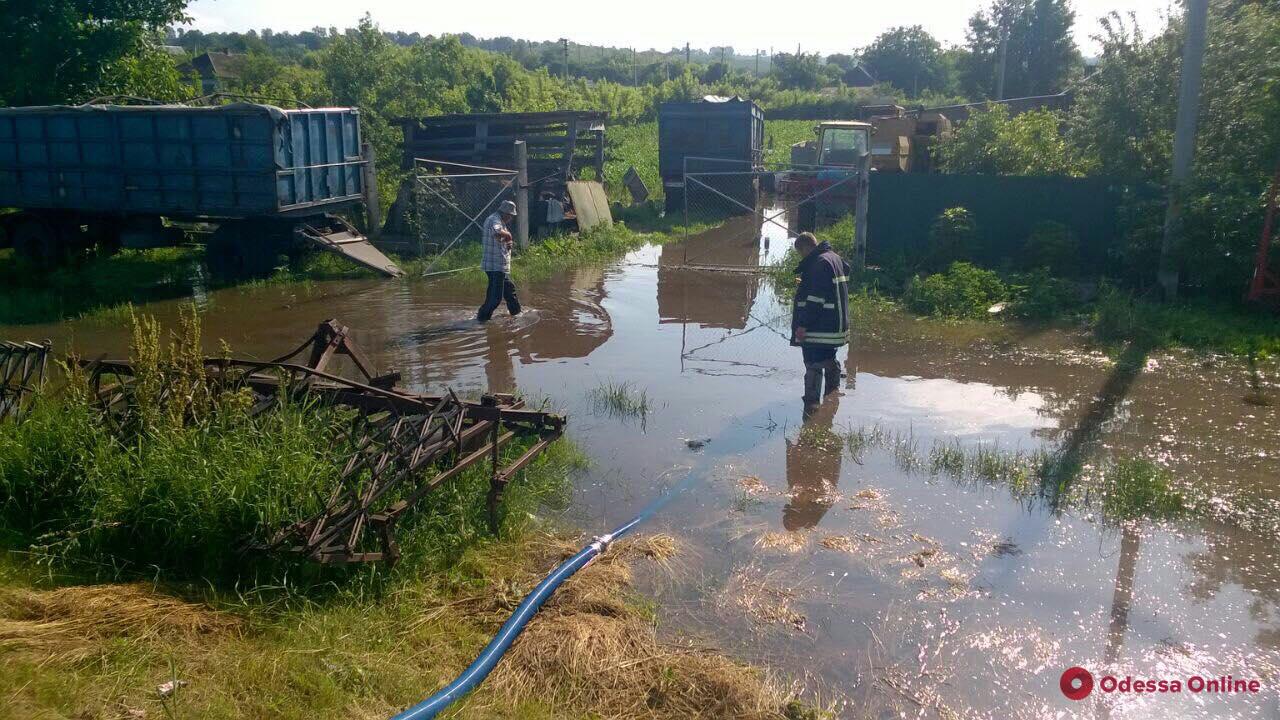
724	129
105	175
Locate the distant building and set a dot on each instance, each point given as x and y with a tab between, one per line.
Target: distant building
173	50
858	76
215	69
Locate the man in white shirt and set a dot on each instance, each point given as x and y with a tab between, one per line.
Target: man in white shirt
496	261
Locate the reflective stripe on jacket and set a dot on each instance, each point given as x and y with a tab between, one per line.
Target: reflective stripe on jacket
821	304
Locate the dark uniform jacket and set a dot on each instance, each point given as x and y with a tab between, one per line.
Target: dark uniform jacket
822	299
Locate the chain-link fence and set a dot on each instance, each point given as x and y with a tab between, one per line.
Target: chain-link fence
450	201
743	217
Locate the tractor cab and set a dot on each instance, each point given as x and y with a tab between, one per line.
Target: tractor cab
842	143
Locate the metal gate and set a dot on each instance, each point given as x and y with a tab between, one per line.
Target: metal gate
450	200
742	217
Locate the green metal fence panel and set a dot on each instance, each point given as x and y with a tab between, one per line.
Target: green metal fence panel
1005	210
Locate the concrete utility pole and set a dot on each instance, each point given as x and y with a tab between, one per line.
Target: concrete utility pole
521	153
1184	141
634	76
686	53
757	63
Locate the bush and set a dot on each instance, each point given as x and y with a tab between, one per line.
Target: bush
951	237
963	291
1054	247
1041	296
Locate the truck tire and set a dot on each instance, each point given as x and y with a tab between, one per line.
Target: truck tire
223	253
37	242
246	249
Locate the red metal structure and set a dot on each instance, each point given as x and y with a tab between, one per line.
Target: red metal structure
1265	283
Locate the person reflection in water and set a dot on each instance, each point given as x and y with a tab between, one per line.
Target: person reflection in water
499	369
813	467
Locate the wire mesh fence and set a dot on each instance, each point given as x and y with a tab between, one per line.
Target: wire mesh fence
451	201
740	216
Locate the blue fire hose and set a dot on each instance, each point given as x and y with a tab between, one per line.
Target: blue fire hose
498	646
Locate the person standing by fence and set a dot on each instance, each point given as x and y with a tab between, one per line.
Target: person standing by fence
820	316
496	244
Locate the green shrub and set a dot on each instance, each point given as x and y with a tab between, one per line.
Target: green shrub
1040	295
1052	245
951	237
963	291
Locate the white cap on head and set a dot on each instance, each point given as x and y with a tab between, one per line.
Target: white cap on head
507	207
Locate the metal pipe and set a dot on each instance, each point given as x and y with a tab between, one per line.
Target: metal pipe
478	670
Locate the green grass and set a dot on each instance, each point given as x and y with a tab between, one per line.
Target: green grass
1134	488
621	400
95	285
1121	489
1119	316
187	482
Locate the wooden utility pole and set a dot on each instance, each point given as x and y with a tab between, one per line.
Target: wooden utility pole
757	63
1004	54
1184	141
564	42
686	53
634	77
522	193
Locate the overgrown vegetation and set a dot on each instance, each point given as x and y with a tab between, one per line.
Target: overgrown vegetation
193	474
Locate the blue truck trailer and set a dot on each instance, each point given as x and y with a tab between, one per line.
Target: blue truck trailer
694	135
110	176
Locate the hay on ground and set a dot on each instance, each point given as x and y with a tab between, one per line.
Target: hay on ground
589	647
69	621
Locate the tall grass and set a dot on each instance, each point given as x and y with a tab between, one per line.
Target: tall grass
193	474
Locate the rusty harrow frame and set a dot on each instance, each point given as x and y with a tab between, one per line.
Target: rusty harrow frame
403	445
22	372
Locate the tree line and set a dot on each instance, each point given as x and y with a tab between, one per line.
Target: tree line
1120	125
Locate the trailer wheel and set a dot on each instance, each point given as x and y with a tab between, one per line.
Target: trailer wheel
243	249
222	252
38	242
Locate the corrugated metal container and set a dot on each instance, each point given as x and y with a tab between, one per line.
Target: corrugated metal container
232	161
729	129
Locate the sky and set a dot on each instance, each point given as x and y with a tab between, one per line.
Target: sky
745	25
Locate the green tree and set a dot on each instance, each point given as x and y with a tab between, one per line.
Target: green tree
1040	56
993	143
802	72
909	58
70	50
1123	121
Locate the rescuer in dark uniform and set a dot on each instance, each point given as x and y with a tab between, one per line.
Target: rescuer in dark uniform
820	316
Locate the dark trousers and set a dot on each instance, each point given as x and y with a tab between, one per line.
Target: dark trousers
813	354
500	288
819	365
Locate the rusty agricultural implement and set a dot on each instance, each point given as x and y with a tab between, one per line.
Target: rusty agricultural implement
22	371
403	445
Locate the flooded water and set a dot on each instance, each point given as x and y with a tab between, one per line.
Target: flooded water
885	588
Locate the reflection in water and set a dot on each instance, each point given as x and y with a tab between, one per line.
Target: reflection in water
813	467
1122	597
1210	598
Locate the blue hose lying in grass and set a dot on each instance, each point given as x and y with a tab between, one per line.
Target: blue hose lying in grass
497	647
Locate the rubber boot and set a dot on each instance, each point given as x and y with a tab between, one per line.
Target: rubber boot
812	384
831	369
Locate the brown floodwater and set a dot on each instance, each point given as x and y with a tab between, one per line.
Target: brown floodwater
880	586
